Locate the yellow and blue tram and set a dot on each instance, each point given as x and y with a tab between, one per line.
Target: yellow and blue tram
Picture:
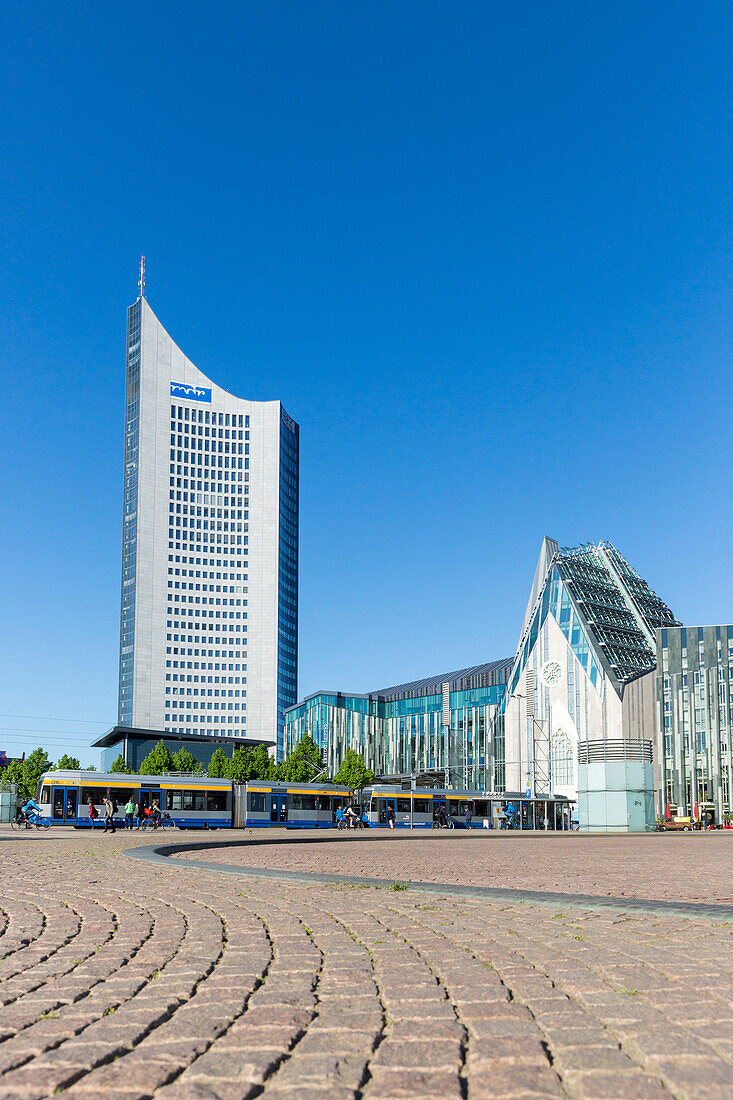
192	802
428	807
203	803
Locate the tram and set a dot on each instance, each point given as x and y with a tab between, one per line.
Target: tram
199	802
425	807
192	802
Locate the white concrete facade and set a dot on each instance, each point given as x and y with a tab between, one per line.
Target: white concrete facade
202	625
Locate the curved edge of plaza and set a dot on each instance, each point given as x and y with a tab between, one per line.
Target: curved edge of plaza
166	854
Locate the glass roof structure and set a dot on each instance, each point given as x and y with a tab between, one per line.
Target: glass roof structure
617	604
608	613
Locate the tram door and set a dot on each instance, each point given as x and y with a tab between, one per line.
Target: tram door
147	796
63	804
440	807
278	809
383	804
336	801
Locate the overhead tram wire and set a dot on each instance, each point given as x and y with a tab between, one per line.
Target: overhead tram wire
45	718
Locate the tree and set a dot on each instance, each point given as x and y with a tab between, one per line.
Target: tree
249	763
14	774
303	764
218	765
158	761
33	768
119	765
353	772
69	763
185	761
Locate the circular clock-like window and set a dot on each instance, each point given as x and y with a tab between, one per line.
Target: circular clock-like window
551	673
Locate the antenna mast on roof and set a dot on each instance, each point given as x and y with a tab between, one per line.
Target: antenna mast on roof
141	282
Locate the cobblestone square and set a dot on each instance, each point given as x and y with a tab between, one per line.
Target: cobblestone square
130	978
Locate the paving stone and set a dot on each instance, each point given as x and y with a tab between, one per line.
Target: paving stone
150	986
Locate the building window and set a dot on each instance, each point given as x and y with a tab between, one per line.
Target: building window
563	760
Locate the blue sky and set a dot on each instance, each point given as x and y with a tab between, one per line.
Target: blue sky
481	251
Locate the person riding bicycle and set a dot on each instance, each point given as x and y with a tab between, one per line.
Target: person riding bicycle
31	807
155	814
350	817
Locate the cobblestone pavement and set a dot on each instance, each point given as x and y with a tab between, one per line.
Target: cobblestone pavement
666	866
127	979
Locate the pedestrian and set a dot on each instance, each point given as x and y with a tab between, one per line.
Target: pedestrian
339	817
469	815
140	814
129	812
109	815
390	815
93	813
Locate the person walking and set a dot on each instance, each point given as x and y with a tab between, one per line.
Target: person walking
390	815
469	815
93	813
109	815
140	814
129	813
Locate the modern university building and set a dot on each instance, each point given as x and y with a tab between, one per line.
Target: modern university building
441	725
209	603
576	712
693	755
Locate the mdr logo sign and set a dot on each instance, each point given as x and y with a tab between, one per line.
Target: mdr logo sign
190	393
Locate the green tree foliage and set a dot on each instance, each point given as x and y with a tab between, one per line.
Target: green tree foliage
119	765
26	773
158	761
33	768
70	763
303	764
249	763
218	765
353	772
185	761
14	774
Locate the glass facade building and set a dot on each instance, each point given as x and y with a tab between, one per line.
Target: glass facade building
209	596
579	710
443	724
694	747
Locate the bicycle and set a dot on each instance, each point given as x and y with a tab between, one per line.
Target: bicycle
33	818
159	821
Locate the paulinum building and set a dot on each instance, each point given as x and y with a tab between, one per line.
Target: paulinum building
442	724
209	602
694	749
579	712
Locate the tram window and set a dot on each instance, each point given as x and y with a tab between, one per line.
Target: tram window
481	808
193	800
119	795
256	802
304	802
45	795
96	794
423	806
403	805
374	806
216	800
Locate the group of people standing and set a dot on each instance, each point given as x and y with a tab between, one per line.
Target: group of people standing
134	811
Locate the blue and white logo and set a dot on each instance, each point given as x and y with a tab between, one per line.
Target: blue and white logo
190	393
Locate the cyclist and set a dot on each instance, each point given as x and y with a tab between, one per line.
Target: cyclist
31	807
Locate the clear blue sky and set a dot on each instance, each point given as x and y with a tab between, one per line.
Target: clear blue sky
481	251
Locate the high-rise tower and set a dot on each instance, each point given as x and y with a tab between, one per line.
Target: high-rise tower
209	606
